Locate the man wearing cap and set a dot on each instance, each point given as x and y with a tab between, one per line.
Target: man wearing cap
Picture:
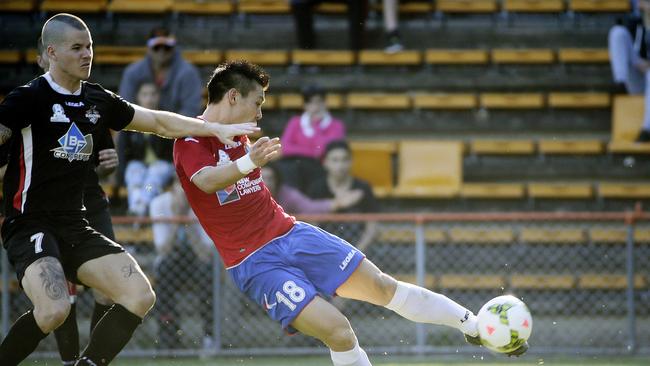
179	81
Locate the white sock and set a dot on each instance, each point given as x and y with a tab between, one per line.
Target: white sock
423	306
354	357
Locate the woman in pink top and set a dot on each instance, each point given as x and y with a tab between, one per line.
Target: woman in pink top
305	137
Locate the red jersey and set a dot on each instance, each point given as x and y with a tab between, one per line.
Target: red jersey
240	218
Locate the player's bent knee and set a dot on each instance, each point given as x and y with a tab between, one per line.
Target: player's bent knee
341	338
52	315
141	302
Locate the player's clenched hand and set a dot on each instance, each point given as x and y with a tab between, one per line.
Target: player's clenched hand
225	133
265	150
107	161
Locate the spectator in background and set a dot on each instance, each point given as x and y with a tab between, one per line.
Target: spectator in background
305	138
339	182
183	265
391	26
303	15
144	178
629	58
295	202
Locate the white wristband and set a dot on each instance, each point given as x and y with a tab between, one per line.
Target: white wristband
245	164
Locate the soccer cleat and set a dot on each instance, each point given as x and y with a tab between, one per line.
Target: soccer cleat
519	351
476	341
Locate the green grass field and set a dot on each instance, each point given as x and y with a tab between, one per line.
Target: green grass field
377	361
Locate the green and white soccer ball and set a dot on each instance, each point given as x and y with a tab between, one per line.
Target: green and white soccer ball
504	323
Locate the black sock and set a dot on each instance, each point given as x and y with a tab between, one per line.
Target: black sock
98	312
111	334
67	337
22	339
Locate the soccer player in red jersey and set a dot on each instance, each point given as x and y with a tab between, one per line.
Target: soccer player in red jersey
280	263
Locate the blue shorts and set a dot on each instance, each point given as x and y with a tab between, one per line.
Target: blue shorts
287	273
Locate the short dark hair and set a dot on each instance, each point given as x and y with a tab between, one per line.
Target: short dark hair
337	144
52	33
240	75
311	91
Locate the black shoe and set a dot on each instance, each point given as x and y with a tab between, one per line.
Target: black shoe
644	136
476	341
519	351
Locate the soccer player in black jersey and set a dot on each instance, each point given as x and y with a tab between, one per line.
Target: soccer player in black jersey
50	125
99	218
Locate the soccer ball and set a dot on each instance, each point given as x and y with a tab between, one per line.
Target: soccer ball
504	324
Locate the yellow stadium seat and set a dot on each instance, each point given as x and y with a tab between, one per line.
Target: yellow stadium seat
624	190
203	7
627	119
291	101
378	101
609	281
10	56
610	236
466	6
140	6
493	190
270	102
560	190
575	147
456	57
533	6
264	6
471	282
125	234
429	280
17	5
77	6
599	6
445	101
512	100
522	56
322	57
30	55
118	55
203	57
381	58
407	236
543	282
502	147
372	161
419	7
330	8
583	55
260	57
579	100
295	101
334	101
429	169
481	236
552	236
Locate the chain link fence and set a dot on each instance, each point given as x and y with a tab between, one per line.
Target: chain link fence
584	279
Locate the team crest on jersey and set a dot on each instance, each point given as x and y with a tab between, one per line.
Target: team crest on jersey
230	193
92	115
74	145
58	114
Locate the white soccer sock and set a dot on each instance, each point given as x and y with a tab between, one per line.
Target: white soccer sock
423	306
354	357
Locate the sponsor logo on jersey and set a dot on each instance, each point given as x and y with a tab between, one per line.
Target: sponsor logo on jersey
191	139
347	259
230	193
268	306
92	115
237	144
74	145
75	104
58	114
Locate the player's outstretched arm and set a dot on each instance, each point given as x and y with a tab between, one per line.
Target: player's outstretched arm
212	179
172	125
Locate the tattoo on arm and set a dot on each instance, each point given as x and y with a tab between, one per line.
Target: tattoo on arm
52	278
5	134
128	271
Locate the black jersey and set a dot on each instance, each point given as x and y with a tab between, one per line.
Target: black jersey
94	196
52	144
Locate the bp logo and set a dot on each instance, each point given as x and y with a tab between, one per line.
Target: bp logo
74	145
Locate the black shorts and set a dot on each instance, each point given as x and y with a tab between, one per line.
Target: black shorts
66	237
100	220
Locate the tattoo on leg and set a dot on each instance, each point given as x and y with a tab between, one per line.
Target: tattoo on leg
128	271
52	278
